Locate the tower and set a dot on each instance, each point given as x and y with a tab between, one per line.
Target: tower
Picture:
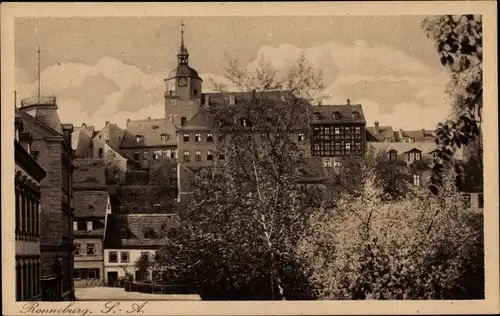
183	88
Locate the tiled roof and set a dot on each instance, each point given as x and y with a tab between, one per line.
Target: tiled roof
400	147
346	112
201	120
90	203
384	133
89	171
419	136
151	131
91	233
135	226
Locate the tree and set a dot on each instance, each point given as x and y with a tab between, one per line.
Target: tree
143	265
459	43
247	212
301	78
420	247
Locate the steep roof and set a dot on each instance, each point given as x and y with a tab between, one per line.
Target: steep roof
400	147
183	71
222	100
90	203
384	133
151	131
346	112
135	226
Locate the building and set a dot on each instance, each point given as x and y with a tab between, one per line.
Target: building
52	148
132	236
337	131
28	175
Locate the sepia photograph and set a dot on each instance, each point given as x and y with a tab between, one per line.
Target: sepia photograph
286	157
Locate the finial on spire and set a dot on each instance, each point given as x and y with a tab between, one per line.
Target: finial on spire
38	70
182	32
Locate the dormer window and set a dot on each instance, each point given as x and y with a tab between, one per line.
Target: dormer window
301	137
336	116
317	116
418	156
393	155
355	115
244	122
155	126
232	100
148	233
164	136
139	138
197	138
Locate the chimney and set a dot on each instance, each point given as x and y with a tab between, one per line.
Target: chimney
348	101
377	130
127	121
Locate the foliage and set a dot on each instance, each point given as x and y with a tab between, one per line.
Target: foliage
459	41
247	213
143	264
420	247
301	78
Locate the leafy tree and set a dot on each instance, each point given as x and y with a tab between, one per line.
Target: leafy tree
459	41
143	265
421	247
301	78
247	212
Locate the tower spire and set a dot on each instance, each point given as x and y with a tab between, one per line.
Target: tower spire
182	33
183	53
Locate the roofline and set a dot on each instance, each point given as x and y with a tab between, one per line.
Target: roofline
27	162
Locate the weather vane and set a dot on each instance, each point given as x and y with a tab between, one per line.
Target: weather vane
182	31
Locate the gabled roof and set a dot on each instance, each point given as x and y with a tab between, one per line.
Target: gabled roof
384	133
90	203
400	147
346	114
151	131
135	226
419	135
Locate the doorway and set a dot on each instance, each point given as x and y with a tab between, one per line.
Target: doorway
112	277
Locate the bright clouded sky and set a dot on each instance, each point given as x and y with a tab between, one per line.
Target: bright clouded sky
113	68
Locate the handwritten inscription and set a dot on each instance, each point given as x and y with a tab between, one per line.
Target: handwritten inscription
110	307
121	307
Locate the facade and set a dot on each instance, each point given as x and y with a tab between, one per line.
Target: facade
28	175
52	148
89	227
337	131
134	234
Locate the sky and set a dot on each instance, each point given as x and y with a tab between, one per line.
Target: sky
112	68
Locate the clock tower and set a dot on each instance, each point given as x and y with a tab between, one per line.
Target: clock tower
182	89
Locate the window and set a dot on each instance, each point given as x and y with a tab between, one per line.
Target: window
136	155
156	154
466	199
411	156
210	155
355	115
300	137
197	138
358	146
197	155
82	226
195	92
101	152
336	163
186	156
145	254
139	138
183	120
336	115
93	273
357	130
416	180
337	130
393	155
232	100
186	138
210	138
480	198
347	146
113	257
244	122
418	156
317	116
327	162
89	225
164	136
77	249
165	153
90	249
75	225
145	155
125	257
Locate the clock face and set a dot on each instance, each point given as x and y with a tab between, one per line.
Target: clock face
182	82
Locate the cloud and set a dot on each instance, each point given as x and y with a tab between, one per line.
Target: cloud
390	81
